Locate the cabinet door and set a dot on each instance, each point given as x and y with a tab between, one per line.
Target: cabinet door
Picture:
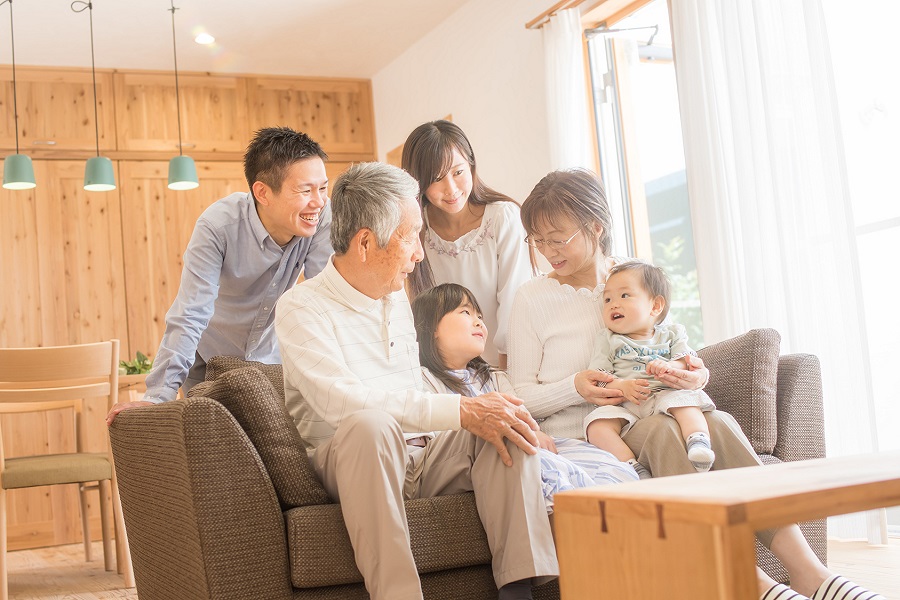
213	112
156	226
56	110
333	170
63	283
336	113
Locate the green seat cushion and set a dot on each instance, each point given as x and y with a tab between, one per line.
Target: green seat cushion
52	469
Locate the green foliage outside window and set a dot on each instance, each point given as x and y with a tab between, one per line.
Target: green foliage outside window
685	307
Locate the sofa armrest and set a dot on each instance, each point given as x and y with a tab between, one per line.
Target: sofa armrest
202	516
801	421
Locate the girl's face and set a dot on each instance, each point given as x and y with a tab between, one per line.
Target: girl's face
565	247
450	191
460	336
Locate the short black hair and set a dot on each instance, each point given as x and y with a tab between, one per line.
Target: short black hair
272	151
652	278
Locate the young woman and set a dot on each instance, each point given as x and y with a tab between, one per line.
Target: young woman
472	235
557	317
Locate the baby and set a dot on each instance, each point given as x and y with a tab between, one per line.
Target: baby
635	347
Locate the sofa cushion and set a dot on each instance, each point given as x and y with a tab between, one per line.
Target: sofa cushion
445	533
743	382
249	395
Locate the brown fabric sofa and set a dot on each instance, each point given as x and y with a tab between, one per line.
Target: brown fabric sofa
220	501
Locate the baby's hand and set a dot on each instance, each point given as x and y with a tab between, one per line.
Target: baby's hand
658	367
635	390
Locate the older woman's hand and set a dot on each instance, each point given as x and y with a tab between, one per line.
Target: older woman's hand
586	384
693	378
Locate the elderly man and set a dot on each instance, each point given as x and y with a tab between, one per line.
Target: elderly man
353	385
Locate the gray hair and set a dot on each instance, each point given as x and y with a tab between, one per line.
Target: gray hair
369	196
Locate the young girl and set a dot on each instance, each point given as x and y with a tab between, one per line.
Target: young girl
451	336
635	347
472	234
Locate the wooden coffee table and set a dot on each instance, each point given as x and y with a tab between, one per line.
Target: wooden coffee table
691	536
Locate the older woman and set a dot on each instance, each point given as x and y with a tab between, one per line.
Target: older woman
554	321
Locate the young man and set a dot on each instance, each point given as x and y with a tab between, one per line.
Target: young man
247	249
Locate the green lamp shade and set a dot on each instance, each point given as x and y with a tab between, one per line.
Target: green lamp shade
183	173
98	175
18	172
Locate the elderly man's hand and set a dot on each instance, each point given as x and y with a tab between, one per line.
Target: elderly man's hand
495	416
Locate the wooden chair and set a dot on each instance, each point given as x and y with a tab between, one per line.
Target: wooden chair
58	378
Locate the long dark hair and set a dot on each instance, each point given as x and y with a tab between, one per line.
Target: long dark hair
427	155
428	309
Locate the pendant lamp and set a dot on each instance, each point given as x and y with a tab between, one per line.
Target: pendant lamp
98	173
18	172
182	170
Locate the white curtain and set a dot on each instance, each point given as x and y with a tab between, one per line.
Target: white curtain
773	226
567	113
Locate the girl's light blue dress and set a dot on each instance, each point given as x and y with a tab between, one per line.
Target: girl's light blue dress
578	464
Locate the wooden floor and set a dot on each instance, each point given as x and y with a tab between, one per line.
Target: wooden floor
60	573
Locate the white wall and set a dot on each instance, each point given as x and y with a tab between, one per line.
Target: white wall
482	66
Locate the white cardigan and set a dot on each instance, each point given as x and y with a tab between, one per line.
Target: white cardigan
552	336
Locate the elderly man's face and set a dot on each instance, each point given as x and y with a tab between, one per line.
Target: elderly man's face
391	265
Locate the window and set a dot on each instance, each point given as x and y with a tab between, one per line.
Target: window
641	152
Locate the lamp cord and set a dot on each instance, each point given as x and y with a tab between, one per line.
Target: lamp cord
177	98
90	7
12	41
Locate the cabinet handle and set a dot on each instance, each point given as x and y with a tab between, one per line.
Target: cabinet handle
187	145
43	142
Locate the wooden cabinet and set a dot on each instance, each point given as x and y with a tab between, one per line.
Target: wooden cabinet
80	266
63	283
213	112
56	110
61	252
337	113
156	226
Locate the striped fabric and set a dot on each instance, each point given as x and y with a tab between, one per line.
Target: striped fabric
841	588
578	464
782	592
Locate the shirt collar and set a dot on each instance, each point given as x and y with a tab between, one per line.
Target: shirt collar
351	296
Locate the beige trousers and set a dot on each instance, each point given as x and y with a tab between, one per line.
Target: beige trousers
654	440
369	469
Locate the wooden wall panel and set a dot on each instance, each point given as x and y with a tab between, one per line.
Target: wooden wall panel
336	113
213	112
63	265
56	109
157	224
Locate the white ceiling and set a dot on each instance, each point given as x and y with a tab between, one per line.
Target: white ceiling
340	38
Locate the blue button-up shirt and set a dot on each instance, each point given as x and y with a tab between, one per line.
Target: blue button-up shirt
233	274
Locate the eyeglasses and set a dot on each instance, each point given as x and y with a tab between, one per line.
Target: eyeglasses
553	244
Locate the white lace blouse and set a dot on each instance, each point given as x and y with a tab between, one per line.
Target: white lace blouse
492	261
